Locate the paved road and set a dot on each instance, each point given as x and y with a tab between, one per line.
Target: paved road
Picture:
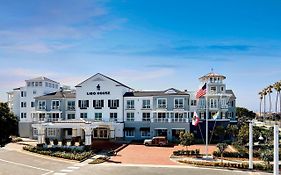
13	162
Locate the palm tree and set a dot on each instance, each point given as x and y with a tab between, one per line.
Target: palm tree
269	91
264	93
261	97
279	97
277	87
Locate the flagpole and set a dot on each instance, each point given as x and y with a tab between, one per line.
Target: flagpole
207	117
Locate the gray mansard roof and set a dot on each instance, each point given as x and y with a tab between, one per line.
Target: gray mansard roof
42	79
230	92
167	92
57	95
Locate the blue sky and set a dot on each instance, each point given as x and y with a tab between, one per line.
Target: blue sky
144	44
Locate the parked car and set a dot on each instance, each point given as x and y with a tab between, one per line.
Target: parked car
158	141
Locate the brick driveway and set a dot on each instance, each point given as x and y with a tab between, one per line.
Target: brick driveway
140	154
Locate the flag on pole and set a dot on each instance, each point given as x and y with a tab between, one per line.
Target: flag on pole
201	91
216	115
195	119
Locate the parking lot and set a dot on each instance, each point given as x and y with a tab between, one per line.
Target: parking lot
140	154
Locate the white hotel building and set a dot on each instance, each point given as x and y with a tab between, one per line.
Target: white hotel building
103	108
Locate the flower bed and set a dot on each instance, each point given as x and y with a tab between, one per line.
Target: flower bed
257	166
66	153
187	152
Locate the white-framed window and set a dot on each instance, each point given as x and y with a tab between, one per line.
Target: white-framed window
146	104
161	115
23	93
83	104
71	105
146	116
161	103
54	117
130	104
222	89
42	104
32	104
98	104
202	103
193	102
113	104
98	116
23	104
36	83
178	103
41	116
223	103
213	103
113	117
28	84
23	115
213	89
51	132
34	92
40	83
145	133
83	115
130	116
129	133
70	116
55	104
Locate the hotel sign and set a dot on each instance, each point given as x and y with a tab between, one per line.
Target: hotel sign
99	93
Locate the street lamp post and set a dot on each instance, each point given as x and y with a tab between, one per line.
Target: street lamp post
276	150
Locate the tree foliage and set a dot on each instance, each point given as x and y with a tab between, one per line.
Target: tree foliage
244	115
221	148
186	138
8	124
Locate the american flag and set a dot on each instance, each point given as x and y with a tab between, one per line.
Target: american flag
201	91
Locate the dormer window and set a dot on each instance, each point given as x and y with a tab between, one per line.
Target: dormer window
98	87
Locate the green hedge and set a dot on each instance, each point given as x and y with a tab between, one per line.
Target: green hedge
187	152
66	153
256	166
236	154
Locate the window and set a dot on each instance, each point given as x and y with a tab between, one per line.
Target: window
83	115
46	84
70	116
202	103
71	105
145	104
57	86
193	102
40	83
36	83
34	92
146	117
32	83
23	115
178	103
161	103
32	104
213	89
130	116
161	115
41	104
130	133
83	104
55	104
98	116
23	104
145	132
113	104
51	132
130	104
222	89
98	104
113	117
28	83
41	117
50	85
223	103
213	103
23	93
54	117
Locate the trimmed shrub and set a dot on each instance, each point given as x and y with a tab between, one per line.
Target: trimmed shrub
81	143
63	142
55	141
47	141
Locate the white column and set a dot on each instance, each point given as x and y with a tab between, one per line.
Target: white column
88	135
276	150
41	134
207	117
251	145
